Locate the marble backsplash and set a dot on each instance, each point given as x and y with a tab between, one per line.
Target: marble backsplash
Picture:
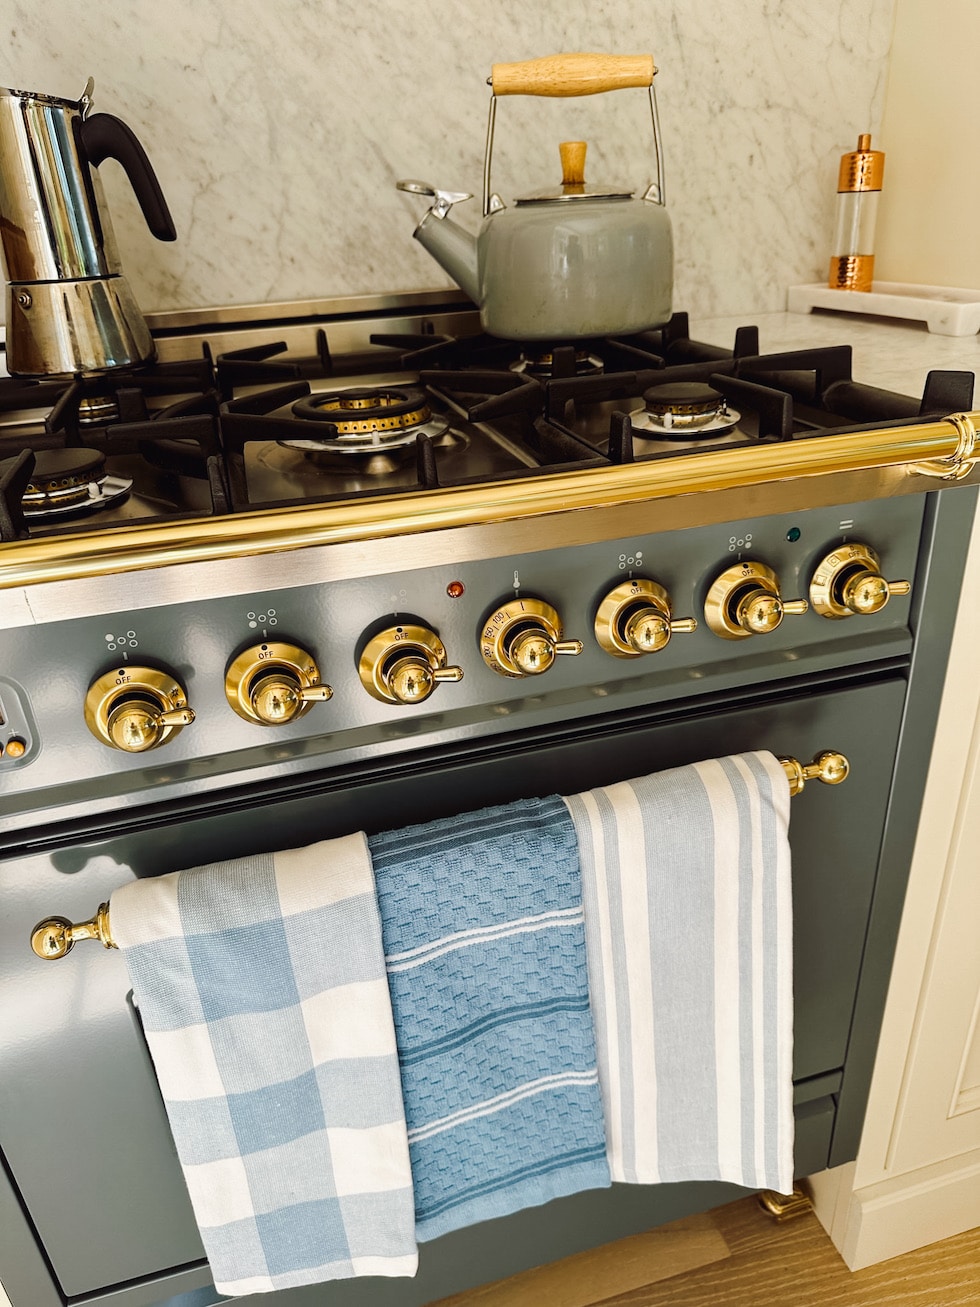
278	130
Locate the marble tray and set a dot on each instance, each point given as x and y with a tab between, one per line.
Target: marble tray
946	310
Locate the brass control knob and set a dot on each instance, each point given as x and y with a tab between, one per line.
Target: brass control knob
523	637
274	683
136	708
849	581
745	600
404	664
634	619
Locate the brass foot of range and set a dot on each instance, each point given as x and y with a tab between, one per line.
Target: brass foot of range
784	1207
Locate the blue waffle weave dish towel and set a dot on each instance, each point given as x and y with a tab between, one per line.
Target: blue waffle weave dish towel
261	987
686	884
485	949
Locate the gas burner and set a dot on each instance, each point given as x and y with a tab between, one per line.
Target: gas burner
97	409
685	410
71	481
562	361
367	421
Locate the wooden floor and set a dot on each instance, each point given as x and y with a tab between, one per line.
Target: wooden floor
741	1258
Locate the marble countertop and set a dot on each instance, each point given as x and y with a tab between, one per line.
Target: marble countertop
896	355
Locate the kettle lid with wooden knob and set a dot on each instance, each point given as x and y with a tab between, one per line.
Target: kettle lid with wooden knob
573	184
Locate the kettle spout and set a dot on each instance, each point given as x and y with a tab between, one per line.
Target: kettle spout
454	249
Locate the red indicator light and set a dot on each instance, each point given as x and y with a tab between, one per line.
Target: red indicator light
455	588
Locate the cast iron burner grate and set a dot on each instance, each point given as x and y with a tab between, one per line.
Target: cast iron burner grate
535	359
108	416
513	403
786	396
544	407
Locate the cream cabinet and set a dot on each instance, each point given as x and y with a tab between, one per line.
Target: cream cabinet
917	1175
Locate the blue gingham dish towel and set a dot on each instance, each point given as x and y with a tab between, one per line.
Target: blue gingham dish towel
686	885
262	991
485	947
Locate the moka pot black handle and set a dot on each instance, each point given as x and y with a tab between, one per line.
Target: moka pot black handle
104	136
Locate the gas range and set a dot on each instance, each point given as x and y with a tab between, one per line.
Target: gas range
350	566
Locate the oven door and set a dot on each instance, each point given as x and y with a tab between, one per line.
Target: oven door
94	1190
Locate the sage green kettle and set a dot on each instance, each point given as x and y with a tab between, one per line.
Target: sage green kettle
570	262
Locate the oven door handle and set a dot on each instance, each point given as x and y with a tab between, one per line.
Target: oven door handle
56	936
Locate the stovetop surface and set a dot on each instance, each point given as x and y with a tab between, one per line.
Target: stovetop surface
218	425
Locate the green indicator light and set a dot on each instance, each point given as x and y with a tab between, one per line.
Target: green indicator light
793	534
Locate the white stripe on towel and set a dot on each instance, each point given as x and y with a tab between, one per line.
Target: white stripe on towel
757	950
727	990
639	973
415	957
500	1101
595	900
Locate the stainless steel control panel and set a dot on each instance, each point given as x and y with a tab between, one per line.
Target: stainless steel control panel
217	691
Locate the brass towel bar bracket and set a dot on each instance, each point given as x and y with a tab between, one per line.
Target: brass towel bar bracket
55	936
829	767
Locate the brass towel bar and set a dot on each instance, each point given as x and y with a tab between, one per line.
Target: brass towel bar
55	936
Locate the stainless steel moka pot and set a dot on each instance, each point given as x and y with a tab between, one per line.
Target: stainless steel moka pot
69	309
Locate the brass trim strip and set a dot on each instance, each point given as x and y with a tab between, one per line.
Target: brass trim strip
945	449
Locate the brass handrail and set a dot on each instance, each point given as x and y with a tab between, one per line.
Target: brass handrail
55	936
946	449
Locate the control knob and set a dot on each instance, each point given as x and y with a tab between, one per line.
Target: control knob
744	600
634	619
404	664
849	581
274	683
523	637
136	708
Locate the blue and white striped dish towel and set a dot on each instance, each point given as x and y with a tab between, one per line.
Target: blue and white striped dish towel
686	886
261	986
485	947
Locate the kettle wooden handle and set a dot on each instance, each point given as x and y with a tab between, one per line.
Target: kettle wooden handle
573	74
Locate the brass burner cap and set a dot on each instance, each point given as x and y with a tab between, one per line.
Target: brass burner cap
359	412
684	399
62	476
